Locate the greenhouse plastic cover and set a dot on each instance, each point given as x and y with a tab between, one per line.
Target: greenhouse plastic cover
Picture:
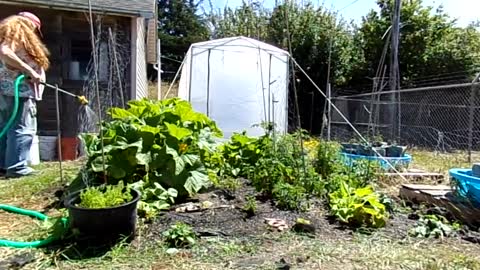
238	82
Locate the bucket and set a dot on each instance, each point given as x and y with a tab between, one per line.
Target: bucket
48	147
69	148
34	155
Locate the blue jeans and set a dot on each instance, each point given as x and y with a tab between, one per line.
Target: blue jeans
16	143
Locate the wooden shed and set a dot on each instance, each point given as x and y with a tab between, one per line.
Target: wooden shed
121	40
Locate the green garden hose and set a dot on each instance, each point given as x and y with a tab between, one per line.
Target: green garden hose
30	213
5	129
13	209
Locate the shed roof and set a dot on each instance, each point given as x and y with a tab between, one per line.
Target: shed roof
137	8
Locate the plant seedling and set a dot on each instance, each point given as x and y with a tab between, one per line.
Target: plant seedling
250	206
180	235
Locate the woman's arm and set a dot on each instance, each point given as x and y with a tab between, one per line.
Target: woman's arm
8	55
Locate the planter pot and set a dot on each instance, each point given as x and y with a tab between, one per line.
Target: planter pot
104	224
380	150
396	151
351	148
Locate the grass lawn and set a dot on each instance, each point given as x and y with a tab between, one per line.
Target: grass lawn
249	244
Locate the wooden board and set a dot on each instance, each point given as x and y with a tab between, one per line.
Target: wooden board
442	196
417	175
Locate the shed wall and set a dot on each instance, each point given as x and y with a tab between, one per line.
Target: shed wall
139	59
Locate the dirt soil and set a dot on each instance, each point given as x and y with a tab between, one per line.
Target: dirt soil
225	218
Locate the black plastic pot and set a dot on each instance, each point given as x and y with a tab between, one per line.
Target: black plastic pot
396	151
103	224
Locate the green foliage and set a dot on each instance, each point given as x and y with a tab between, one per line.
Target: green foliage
241	152
105	196
155	198
334	171
229	183
358	207
180	235
290	197
250	206
433	226
179	27
328	158
430	44
156	144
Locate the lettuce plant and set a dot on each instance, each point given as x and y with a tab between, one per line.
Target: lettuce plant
358	207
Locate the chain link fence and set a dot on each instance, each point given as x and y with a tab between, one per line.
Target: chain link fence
441	118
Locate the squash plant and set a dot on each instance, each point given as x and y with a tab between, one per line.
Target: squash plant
155	145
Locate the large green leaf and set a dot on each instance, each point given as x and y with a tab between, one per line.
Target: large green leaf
178	132
143	158
119	113
195	182
190	159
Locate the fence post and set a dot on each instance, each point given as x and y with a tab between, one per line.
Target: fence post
329	110
471	115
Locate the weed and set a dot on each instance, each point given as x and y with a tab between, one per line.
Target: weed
229	183
250	206
433	226
180	235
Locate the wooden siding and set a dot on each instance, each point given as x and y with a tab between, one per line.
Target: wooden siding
139	59
137	8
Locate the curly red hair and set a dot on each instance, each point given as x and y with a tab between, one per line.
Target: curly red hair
19	31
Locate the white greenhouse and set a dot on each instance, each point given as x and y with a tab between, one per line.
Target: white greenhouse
239	82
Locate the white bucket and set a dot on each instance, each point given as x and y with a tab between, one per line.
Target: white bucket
34	155
48	148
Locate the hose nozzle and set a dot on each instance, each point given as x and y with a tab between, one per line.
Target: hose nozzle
83	100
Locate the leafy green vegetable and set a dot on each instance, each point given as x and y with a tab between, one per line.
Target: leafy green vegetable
357	207
105	196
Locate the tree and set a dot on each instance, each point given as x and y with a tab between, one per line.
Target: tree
310	32
431	46
179	27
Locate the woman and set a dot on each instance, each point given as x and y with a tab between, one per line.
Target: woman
21	52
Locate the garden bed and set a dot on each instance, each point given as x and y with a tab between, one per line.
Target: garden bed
229	240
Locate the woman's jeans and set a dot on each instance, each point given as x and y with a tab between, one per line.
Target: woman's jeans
16	143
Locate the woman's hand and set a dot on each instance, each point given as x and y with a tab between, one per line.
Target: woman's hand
35	77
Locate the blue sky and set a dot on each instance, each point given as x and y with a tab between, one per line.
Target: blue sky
464	10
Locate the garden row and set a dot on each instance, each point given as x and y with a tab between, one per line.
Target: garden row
169	152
